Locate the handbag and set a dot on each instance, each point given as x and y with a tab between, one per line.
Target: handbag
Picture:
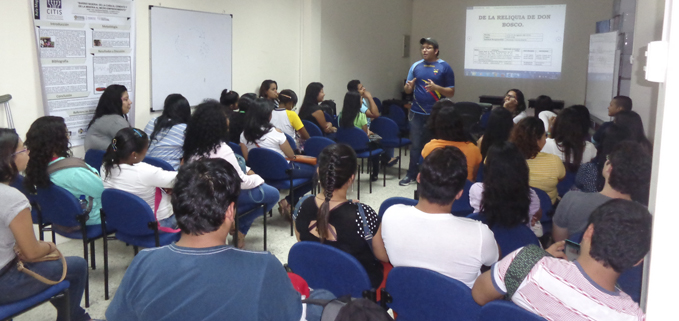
305	160
54	255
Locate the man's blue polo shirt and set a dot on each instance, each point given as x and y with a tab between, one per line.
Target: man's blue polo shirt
439	72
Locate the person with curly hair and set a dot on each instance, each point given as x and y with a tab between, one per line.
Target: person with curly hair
569	143
505	197
167	130
207	136
110	116
627	173
545	170
47	141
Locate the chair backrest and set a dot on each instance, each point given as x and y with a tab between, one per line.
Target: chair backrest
311	128
421	294
353	137
328	117
291	141
484	119
630	282
509	239
461	206
566	183
268	164
236	148
325	267
385	127
157	162
470	111
378	103
506	311
127	213
479	173
18	183
393	201
58	205
94	158
315	145
397	115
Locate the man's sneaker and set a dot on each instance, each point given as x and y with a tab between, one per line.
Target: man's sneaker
405	181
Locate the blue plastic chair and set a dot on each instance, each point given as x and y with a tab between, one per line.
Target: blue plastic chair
509	239
506	311
378	103
291	141
57	293
328	118
393	201
312	129
391	138
236	148
479	173
461	206
315	145
484	119
397	115
423	295
325	267
157	162
94	158
275	170
546	206
359	141
565	185
60	207
36	215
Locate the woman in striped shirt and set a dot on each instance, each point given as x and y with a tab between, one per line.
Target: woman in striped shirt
166	132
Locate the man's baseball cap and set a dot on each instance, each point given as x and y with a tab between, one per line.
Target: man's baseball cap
431	41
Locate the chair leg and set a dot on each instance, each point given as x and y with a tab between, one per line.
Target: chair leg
292	205
399	163
92	256
370	174
106	297
87	283
136	250
384	175
235	223
358	188
54	236
361	165
270	212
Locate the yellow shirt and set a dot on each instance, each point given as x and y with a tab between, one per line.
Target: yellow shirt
294	120
545	171
470	151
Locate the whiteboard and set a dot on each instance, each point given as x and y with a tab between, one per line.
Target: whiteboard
602	73
190	54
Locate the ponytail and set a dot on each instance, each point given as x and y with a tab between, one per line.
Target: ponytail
324	211
127	141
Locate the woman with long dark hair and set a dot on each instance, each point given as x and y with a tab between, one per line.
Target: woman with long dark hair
568	141
18	242
516	104
269	90
499	127
207	136
351	116
109	117
589	177
310	111
545	170
167	130
632	121
47	140
505	197
237	117
123	169
333	219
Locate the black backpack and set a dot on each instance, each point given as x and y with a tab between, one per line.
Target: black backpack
351	309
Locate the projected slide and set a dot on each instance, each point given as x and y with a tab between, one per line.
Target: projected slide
515	41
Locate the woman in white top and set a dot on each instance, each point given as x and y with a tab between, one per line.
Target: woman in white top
287	120
122	169
207	136
568	139
259	133
516	103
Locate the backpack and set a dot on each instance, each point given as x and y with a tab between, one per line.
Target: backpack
329	106
350	309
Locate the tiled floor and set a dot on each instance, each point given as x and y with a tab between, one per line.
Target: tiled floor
279	242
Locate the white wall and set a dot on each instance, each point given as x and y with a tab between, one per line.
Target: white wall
364	40
445	21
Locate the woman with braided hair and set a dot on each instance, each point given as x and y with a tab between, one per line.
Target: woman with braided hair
331	218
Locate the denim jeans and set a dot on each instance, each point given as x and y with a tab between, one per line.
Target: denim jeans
17	285
249	198
170	222
420	135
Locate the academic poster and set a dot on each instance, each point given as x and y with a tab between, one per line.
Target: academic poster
83	47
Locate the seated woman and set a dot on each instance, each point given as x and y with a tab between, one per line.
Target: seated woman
499	126
545	170
310	110
109	117
167	131
516	104
238	105
567	140
269	90
48	140
449	131
589	178
207	136
331	218
259	133
504	197
18	242
632	122
351	116
123	169
287	120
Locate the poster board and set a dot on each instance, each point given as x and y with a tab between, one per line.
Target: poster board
602	73
190	54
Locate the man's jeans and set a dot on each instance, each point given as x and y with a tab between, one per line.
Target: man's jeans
419	136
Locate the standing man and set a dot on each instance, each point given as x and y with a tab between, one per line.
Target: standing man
430	79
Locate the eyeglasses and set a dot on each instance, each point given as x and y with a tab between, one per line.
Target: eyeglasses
21	151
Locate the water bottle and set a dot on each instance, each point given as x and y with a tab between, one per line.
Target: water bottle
83	203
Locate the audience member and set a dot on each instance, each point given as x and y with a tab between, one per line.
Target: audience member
199	277
109	117
626	172
269	90
505	197
617	104
287	120
18	242
567	141
229	98
632	121
310	111
331	218
51	163
589	177
499	127
351	116
544	108
584	289
368	105
449	131
123	169
167	131
454	246
237	117
546	170
516	104
207	137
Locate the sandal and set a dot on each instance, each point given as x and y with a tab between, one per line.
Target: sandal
284	210
241	240
393	161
